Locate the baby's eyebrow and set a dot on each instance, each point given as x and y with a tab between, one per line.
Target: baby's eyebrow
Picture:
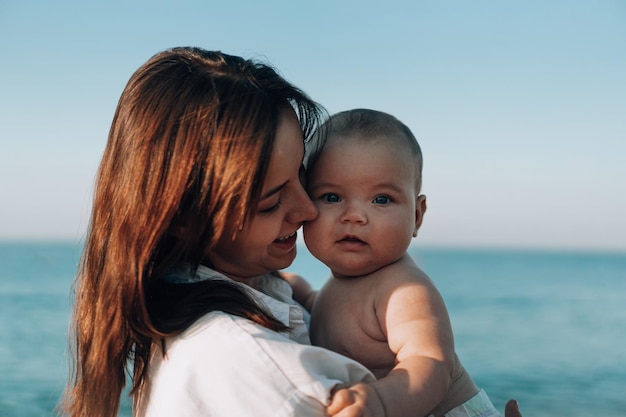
321	185
389	184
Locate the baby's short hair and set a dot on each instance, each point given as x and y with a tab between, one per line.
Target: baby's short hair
370	124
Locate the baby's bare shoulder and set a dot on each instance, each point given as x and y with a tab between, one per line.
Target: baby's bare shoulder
405	284
404	272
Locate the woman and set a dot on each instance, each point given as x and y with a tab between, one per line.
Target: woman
197	202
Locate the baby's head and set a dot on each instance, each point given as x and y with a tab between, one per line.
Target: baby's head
365	179
368	126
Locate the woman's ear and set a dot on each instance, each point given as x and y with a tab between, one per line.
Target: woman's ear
420	210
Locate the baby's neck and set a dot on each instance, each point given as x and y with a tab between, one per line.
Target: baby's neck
405	258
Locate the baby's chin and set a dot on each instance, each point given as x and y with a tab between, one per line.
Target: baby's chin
360	269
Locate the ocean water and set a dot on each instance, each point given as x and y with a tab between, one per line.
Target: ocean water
546	328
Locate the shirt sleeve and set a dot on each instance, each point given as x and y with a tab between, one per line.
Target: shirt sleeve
229	366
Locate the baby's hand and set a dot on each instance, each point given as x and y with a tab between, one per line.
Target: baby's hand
303	293
360	400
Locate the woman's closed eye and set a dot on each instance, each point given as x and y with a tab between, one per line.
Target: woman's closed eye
270	209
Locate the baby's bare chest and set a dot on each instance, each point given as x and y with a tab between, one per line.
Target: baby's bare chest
345	320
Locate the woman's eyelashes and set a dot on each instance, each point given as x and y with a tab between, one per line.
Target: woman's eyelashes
270	209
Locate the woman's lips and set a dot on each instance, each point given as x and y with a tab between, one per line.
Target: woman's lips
287	241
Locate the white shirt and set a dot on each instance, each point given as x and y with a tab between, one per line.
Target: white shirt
225	365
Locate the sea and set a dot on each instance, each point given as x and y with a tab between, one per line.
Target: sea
545	327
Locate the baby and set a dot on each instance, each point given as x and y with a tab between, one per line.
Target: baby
379	307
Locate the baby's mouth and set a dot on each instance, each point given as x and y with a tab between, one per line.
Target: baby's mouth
351	239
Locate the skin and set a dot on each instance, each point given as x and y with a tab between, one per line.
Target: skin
512	409
268	241
369	207
379	307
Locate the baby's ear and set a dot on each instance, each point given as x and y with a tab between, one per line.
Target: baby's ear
420	210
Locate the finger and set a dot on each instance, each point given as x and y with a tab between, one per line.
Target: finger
351	411
511	409
341	399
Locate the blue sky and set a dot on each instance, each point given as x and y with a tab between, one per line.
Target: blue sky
520	107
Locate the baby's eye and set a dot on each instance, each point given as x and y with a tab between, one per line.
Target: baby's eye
381	199
331	198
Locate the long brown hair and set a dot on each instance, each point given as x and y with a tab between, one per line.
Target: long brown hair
188	150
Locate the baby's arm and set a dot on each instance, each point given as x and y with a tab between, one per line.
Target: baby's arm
413	316
415	320
303	293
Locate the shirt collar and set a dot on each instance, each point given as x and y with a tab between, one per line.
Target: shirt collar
271	292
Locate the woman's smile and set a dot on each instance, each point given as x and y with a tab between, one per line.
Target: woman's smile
286	242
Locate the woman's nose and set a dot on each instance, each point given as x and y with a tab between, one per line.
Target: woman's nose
303	210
